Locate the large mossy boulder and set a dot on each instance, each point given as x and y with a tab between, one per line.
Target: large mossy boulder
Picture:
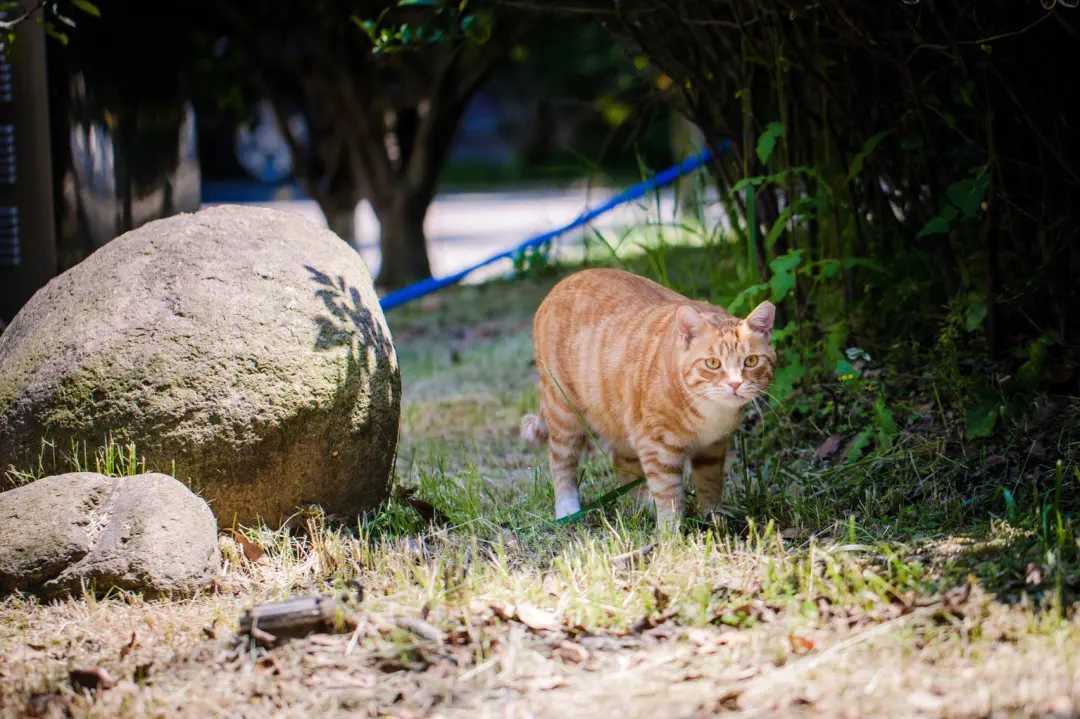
242	350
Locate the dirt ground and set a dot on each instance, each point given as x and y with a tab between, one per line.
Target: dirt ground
493	611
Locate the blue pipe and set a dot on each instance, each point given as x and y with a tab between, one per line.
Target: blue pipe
666	177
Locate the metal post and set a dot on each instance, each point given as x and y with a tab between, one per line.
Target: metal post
28	256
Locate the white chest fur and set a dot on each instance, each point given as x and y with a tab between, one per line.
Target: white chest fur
719	421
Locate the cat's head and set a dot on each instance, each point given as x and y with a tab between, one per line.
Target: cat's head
726	359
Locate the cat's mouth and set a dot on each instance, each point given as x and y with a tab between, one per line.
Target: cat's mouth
736	396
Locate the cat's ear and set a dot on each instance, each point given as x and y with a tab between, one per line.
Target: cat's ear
689	322
762	318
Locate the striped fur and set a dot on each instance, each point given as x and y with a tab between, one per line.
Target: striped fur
649	371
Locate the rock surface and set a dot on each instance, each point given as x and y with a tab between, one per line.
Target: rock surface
242	350
147	533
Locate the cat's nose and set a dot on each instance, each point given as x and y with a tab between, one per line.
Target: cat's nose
735	385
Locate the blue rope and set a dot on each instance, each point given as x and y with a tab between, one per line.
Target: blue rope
666	177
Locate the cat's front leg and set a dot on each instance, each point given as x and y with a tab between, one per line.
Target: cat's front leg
708	469
663	464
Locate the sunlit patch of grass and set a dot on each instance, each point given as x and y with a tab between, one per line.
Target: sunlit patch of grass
902	548
112	459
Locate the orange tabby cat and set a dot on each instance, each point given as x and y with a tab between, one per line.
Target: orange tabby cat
659	377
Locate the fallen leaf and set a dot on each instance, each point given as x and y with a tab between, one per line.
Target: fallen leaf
953	601
252	552
503	610
92	678
571	652
427	511
536	618
829	447
126	649
800	645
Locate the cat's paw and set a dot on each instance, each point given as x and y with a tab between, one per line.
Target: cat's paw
565	506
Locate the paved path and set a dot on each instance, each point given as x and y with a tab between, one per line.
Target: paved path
465	227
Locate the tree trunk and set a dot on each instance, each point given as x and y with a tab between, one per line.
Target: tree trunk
402	244
341	219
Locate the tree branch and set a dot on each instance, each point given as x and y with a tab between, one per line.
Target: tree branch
8	25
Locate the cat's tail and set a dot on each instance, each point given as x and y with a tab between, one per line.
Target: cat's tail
533	429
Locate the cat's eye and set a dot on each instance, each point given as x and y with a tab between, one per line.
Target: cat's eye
751	361
712	363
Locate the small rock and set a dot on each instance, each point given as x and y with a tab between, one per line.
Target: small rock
829	447
147	533
536	618
94	679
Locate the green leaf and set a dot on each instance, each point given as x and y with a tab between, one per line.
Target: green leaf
982	417
1011	510
779	336
87	7
859	444
860	157
885	424
938	225
776	177
844	368
767	142
966	195
791	372
804	204
741	303
783	279
59	36
1030	373
745	182
418	3
829	269
778	226
974	314
478	27
835	339
786	263
851	262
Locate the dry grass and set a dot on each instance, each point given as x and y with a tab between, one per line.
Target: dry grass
823	616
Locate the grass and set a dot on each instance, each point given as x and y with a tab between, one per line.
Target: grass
918	574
